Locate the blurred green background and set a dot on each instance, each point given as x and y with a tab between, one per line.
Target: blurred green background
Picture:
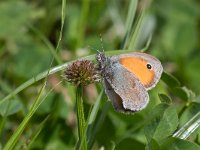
30	28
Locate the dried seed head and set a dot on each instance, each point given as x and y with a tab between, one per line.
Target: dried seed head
82	72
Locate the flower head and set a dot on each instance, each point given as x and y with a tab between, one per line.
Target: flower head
82	72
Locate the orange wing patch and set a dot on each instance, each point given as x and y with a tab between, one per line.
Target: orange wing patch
138	67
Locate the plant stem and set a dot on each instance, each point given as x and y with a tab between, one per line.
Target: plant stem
80	118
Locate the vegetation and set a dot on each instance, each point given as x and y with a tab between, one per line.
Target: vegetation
39	39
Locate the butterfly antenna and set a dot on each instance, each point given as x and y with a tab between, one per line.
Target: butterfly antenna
101	39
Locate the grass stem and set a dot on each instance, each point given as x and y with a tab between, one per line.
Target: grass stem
80	118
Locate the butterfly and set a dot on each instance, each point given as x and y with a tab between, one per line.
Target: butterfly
128	77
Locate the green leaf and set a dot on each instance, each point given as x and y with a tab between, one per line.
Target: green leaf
170	80
129	143
10	107
112	147
58	144
191	111
178	144
167	124
165	99
14	15
154	117
163	124
181	93
153	145
23	61
192	72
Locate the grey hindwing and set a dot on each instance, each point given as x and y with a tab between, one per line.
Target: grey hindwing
114	97
133	94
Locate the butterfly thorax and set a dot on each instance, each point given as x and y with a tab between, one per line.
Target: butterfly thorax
104	63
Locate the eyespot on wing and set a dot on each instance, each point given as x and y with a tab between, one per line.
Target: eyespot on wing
136	62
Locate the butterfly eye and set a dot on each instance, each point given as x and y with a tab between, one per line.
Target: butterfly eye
149	66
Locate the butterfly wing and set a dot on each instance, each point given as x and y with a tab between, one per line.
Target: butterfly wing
114	97
136	62
124	89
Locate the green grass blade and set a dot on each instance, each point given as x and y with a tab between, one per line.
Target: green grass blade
41	126
82	22
189	128
136	31
3	121
147	44
14	138
98	124
53	51
47	43
95	108
129	22
6	89
62	24
92	116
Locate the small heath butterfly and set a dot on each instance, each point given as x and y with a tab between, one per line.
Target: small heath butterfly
128	77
